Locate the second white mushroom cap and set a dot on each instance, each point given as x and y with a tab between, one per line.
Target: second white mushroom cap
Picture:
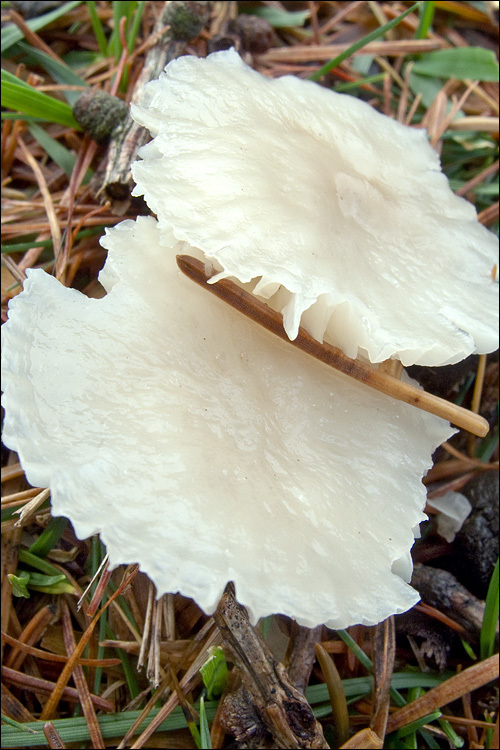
343	209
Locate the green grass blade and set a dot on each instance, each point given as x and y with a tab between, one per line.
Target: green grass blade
57	152
38	563
26	100
490	617
135	25
416	725
121	9
116	725
98	28
11	78
12	34
19	583
17	724
455	740
214	673
280	19
426	12
429	739
367	663
488	446
362	43
59	71
356	650
49	537
206	742
463	63
22	247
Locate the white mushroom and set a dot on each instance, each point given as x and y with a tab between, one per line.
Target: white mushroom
206	449
453	509
314	193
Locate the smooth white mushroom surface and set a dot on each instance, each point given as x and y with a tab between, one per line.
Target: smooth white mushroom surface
347	211
206	449
453	509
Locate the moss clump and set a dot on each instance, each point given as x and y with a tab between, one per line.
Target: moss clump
99	113
186	19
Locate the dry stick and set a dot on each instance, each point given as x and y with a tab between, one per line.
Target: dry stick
80	681
205	632
33	38
478	179
60	686
31	507
301	655
55	229
13	471
283	710
16	498
10	551
147	626
59	658
31	634
82	163
13	708
464	682
52	736
442	590
384	648
188	683
261	313
46	687
488	215
334	21
324	52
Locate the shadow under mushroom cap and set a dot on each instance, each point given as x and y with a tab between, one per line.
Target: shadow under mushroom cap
288	183
208	450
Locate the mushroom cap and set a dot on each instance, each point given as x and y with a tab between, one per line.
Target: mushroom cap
206	449
293	186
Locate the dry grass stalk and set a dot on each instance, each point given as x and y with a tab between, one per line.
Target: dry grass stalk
458	685
80	681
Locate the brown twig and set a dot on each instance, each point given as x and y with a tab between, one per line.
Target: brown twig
283	710
470	679
301	655
384	651
59	658
30	635
59	687
261	313
80	681
441	589
38	685
324	52
52	736
188	683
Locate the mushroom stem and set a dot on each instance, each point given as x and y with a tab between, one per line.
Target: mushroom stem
253	308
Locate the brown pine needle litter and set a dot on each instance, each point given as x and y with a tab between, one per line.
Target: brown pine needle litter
123	668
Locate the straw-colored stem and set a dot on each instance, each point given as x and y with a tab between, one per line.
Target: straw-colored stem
261	313
476	396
